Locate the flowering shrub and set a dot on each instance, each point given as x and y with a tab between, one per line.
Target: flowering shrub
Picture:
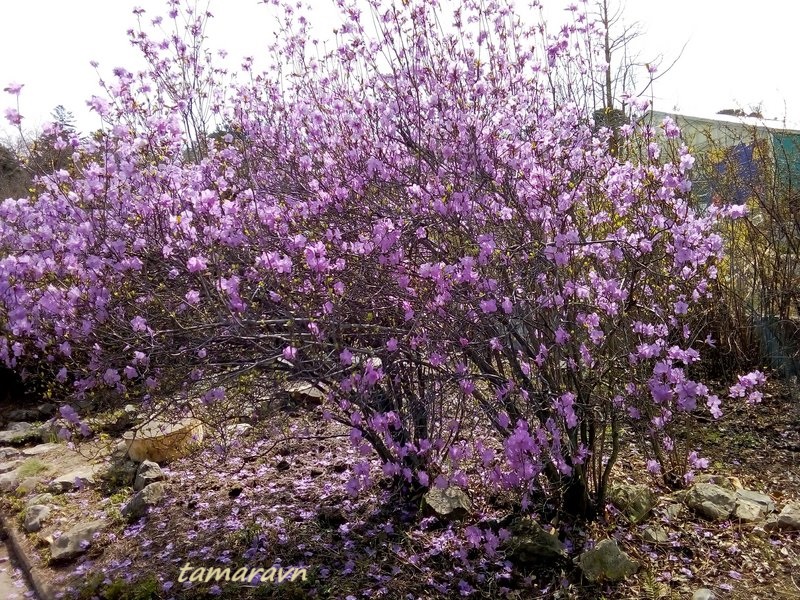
423	219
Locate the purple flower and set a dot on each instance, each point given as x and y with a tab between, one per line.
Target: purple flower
112	377
13	116
99	105
13	88
345	357
196	264
488	306
138	324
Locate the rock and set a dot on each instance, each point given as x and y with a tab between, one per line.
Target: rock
237	430
789	517
673	511
655	534
8	453
28	485
678	496
747	512
39	499
729	483
141	502
9	466
634	501
75	541
711	501
606	562
752	506
704	594
49	430
451	502
14	432
147	473
34	515
46	410
111	422
76	479
23	414
161	441
41	449
120	452
303	391
530	545
758	498
120	474
9	481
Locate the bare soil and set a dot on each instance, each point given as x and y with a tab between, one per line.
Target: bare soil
281	502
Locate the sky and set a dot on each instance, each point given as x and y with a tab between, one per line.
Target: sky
731	53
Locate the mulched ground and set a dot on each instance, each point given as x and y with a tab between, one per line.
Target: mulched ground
284	504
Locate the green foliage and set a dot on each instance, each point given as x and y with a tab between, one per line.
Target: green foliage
146	589
652	589
31	467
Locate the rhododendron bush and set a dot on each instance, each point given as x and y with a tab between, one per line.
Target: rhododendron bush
423	220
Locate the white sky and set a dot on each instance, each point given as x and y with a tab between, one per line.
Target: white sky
738	53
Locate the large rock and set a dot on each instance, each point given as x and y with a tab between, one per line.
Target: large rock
9	466
46	410
655	534
119	453
9	453
29	484
119	474
76	479
42	449
235	431
725	481
141	502
14	432
50	430
672	511
75	541
304	391
704	594
9	481
451	502
23	414
634	501
161	441
752	506
39	499
789	517
530	545
34	515
147	473
711	501
606	562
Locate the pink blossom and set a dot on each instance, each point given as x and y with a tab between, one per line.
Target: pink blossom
138	323
13	116
195	264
